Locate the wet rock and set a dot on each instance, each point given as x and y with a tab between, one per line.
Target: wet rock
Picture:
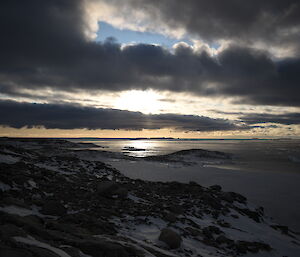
170	237
54	208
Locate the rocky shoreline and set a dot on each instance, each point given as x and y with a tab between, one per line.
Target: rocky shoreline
55	203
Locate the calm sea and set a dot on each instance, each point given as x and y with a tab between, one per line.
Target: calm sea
276	155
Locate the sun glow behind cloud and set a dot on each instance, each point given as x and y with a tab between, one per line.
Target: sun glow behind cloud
137	100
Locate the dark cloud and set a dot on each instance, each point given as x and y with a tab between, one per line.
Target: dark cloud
274	21
286	119
76	117
43	45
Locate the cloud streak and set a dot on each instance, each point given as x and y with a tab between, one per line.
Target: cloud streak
286	118
54	116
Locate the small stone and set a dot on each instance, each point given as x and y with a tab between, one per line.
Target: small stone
170	237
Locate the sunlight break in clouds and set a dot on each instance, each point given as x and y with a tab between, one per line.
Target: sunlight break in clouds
137	100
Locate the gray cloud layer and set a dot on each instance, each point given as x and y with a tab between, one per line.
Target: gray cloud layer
43	45
273	21
17	115
286	119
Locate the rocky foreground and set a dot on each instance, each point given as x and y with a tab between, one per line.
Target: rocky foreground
54	202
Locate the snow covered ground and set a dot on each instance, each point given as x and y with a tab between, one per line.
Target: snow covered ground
278	192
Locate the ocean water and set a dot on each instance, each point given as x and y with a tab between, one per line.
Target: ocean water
271	155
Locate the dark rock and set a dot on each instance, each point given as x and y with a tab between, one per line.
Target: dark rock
223	240
177	209
192	231
104	249
234	216
121	192
10	230
170	217
283	229
217	188
8	252
110	188
170	237
20	179
53	207
227	196
254	247
71	251
41	252
238	197
209	231
15	201
251	214
223	223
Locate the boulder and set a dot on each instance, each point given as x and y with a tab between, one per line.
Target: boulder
170	237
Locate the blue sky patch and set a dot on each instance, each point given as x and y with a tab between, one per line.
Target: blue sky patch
125	36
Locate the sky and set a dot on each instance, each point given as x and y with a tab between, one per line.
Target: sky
160	68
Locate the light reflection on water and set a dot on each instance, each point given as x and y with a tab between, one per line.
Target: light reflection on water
281	155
